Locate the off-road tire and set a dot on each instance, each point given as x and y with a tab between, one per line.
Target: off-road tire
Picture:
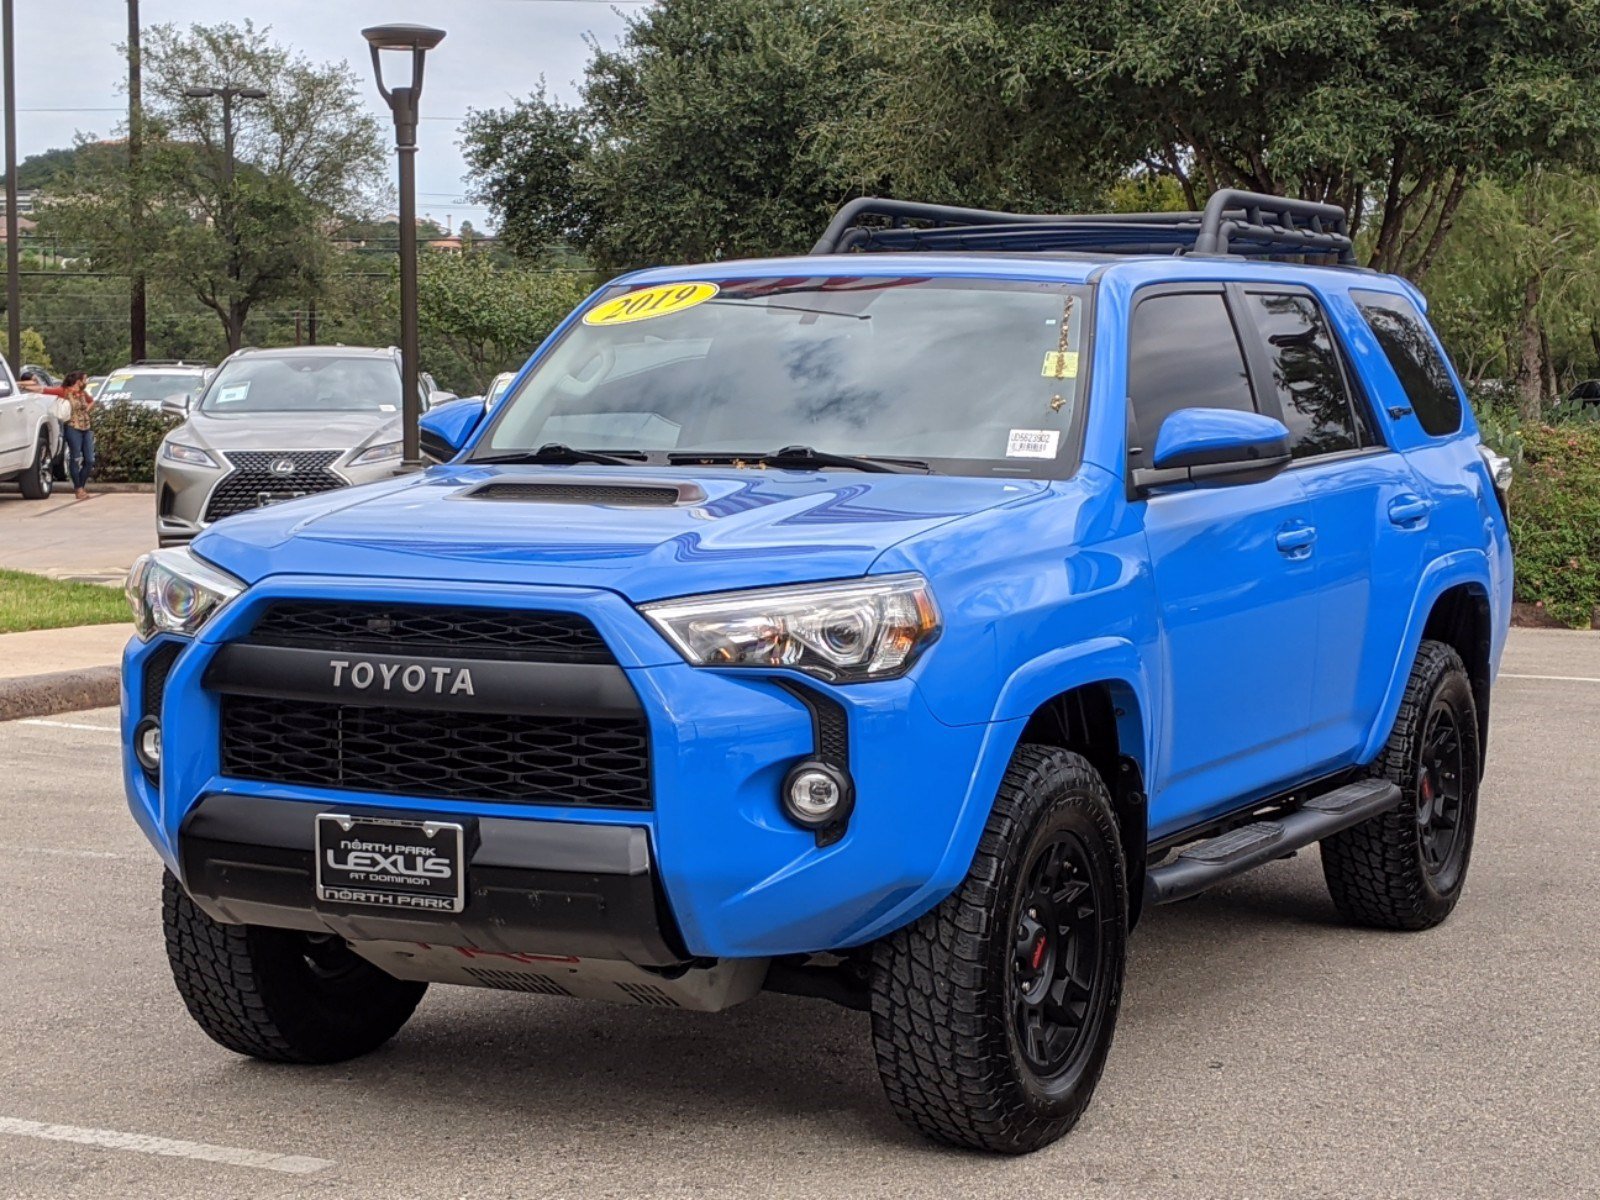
1376	871
944	989
254	990
38	481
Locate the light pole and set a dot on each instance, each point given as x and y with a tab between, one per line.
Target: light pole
229	94
418	40
13	278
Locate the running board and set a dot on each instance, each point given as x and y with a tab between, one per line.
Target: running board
1239	850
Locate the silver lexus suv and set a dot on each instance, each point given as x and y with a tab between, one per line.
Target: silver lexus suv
272	425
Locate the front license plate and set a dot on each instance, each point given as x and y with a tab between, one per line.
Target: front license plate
415	865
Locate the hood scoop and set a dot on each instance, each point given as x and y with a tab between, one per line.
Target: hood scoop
620	494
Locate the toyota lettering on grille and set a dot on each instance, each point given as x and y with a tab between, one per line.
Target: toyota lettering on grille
360	675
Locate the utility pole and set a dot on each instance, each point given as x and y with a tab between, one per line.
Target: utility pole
13	279
136	304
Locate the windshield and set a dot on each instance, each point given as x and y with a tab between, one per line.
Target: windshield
315	383
969	376
148	387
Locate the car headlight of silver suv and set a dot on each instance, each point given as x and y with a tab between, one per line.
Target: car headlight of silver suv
172	591
379	453
845	632
189	455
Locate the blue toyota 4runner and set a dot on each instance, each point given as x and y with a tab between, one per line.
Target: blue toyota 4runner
886	625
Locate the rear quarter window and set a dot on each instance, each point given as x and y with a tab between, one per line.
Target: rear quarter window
1412	351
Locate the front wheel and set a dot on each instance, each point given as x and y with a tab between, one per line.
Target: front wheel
993	1014
279	994
39	480
1404	869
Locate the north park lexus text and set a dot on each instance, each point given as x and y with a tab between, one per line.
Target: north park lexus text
887	625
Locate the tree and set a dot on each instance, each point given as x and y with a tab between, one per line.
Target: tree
695	139
1389	108
234	234
33	350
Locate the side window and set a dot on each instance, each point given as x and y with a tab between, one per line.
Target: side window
1306	373
1412	352
1182	353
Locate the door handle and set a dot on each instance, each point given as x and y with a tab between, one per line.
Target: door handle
1407	510
1296	540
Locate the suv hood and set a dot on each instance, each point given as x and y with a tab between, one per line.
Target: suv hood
731	528
287	430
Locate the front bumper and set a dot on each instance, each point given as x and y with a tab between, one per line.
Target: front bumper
735	877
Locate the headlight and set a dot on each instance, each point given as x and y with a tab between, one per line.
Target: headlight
193	455
172	591
842	632
377	453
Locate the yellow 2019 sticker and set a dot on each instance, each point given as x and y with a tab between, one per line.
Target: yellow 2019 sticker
1060	364
649	303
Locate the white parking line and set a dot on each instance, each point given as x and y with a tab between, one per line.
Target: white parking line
67	725
62	853
1553	678
110	1139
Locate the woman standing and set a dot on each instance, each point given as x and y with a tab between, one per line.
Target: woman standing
78	429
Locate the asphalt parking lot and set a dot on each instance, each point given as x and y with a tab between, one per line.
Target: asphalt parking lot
1264	1050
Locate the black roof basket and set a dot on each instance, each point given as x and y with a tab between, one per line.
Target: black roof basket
1236	223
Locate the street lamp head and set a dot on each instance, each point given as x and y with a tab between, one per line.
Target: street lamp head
250	93
418	40
199	93
403	37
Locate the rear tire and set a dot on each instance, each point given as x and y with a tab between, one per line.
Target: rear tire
278	994
993	1014
1404	869
39	480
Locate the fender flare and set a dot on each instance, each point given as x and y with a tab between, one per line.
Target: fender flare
1095	660
1439	576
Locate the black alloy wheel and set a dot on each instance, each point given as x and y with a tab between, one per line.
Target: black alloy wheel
1439	793
1056	954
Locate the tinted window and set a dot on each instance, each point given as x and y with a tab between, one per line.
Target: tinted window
312	383
1183	353
1306	373
1415	357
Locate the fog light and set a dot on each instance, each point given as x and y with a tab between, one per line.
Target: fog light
147	744
816	795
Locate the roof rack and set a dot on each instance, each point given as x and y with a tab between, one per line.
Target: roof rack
166	362
1234	223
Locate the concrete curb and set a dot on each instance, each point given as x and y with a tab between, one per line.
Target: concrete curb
109	489
59	692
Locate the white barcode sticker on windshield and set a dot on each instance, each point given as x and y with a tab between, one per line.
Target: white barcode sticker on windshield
1033	443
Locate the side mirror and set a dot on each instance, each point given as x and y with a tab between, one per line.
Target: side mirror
446	429
1216	446
177	404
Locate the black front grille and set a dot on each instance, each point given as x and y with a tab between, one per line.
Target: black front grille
156	669
253	482
567	760
460	632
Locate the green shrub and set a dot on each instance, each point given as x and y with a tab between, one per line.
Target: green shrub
1555	520
126	437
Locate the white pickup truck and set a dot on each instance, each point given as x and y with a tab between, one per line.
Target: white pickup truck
30	437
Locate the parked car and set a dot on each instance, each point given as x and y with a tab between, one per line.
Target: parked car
30	438
1585	395
274	425
150	382
888	625
498	387
45	376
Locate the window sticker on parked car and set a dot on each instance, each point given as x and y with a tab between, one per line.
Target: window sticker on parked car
649	303
1033	443
1060	364
117	383
234	394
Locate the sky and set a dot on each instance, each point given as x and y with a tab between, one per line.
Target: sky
494	52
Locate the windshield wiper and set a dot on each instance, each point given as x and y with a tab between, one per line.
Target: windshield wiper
556	452
806	456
